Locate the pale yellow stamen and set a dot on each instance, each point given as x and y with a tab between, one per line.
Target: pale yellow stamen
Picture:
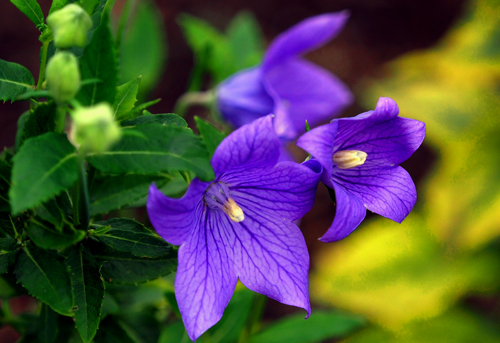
347	159
233	211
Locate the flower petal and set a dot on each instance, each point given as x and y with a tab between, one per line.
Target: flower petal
272	258
285	192
304	91
349	213
205	279
305	36
242	97
253	145
388	191
174	219
319	143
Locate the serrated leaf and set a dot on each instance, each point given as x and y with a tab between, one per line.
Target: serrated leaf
129	236
48	238
58	4
42	120
31	9
126	97
171	119
48	326
99	62
124	268
154	149
45	278
114	192
6	260
112	332
210	135
14	80
43	167
143	51
88	289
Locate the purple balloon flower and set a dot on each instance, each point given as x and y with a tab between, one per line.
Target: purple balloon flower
239	226
360	158
286	84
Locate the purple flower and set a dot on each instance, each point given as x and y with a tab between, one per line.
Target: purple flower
240	226
359	157
286	84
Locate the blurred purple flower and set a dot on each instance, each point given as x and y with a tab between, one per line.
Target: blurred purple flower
286	84
240	226
360	158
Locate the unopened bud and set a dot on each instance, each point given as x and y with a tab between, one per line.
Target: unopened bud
63	76
69	26
94	128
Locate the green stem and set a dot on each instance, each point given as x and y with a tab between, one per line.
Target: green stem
109	6
192	98
124	18
60	119
253	321
81	209
43	63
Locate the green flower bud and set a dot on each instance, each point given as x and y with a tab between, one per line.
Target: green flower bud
69	26
94	128
63	76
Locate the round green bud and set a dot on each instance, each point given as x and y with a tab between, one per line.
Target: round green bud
94	128
69	26
63	76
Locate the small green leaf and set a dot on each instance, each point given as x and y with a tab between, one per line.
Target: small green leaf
48	238
48	326
45	278
31	9
246	40
129	236
139	108
112	332
42	120
99	62
43	167
124	268
58	4
126	97
14	80
322	325
88	289
210	135
164	119
143	51
114	192
154	149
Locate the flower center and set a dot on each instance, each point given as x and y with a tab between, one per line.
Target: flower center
347	159
217	196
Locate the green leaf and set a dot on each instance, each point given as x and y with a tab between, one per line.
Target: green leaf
154	149
114	192
126	97
42	120
14	80
88	289
43	167
48	238
99	62
322	325
129	236
174	333
112	332
143	51
246	40
139	109
31	9
10	226
5	174
58	4
210	135
164	119
45	278
20	128
51	212
124	268
89	5
48	327
7	258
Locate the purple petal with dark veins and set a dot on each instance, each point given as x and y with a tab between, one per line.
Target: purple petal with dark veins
388	191
285	192
319	143
305	36
305	91
349	213
206	277
242	97
174	219
252	145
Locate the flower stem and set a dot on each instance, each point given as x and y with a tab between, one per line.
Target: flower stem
254	317
193	98
43	63
60	119
81	211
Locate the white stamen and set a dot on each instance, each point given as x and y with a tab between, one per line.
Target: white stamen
233	211
347	159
